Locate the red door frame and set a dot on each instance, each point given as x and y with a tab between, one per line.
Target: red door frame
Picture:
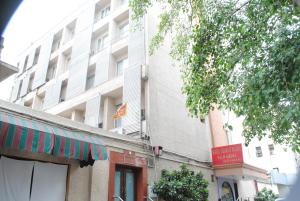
129	159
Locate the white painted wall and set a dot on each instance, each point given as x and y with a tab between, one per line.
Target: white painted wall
170	124
284	160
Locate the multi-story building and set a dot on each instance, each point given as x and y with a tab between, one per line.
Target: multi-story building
94	68
96	62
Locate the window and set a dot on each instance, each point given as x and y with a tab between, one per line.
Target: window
125	183
63	91
56	41
70	31
55	46
105	12
68	60
90	78
65	62
102	42
121	65
118	122
271	149
19	90
101	12
258	152
30	82
36	55
51	71
123	29
25	64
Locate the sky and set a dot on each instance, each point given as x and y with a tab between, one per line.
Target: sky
31	20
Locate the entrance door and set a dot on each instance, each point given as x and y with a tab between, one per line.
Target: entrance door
125	184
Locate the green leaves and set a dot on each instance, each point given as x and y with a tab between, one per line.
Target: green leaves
265	195
240	55
255	69
181	185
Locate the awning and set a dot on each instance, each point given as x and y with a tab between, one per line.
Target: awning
38	137
241	172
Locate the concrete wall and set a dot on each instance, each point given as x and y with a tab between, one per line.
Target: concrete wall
283	159
169	121
99	183
78	187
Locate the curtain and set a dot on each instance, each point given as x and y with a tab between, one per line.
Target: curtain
15	179
49	182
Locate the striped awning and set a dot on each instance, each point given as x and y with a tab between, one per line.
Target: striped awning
38	137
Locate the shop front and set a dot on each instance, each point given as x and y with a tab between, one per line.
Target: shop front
236	180
36	157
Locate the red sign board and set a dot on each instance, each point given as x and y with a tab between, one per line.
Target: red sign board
227	155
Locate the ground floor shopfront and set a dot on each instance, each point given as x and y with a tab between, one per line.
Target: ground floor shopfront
236	180
125	176
49	158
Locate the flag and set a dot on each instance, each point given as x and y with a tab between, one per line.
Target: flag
122	111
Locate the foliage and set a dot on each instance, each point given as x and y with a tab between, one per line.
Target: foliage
181	185
239	55
265	195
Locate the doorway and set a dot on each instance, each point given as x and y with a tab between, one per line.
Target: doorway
125	184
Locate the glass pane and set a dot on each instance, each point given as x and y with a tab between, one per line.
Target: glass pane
118	123
99	44
129	186
120	66
117	185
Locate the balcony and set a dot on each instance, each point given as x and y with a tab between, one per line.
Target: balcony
120	42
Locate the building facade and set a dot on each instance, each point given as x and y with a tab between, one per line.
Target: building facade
93	65
280	161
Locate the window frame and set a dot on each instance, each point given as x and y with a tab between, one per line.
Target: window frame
258	152
124	66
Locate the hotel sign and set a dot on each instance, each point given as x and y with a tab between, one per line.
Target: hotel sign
227	155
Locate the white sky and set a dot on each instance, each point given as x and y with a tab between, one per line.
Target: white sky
31	20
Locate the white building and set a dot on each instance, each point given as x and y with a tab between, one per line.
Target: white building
93	63
278	160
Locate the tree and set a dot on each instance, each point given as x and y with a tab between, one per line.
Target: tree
265	195
239	55
181	185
